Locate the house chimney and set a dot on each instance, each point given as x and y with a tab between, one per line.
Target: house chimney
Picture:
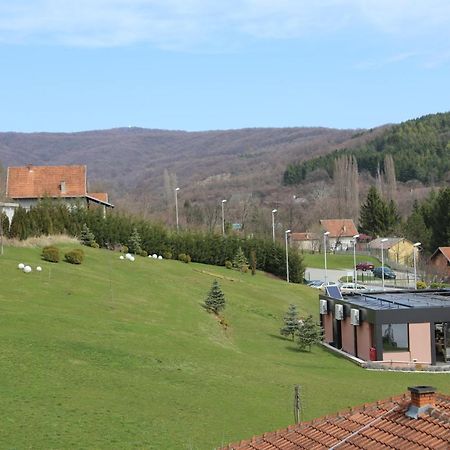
63	187
422	399
30	167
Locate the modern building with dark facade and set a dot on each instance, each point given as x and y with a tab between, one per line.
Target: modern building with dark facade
393	328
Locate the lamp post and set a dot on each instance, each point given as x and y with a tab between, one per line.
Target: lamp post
176	206
355	237
415	248
273	223
286	233
223	217
325	254
382	261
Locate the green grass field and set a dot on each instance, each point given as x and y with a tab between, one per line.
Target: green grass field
336	261
114	355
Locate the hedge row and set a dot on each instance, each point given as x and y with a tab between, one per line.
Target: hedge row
114	231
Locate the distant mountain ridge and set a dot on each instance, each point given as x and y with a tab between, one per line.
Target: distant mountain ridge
131	161
420	149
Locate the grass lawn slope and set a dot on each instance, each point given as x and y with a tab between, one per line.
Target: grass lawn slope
114	354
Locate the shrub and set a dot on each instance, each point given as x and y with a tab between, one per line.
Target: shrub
184	258
167	255
75	256
228	264
143	253
124	249
50	254
421	285
95	245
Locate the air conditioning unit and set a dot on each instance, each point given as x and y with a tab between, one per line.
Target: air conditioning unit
354	316
323	307
339	312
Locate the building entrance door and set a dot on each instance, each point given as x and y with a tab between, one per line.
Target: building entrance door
442	339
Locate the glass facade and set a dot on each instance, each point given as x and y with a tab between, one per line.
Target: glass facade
395	337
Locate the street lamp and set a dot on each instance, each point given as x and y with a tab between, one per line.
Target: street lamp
382	261
273	223
286	233
415	248
325	254
356	236
223	217
176	205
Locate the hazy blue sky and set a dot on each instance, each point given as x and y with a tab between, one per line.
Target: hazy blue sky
199	65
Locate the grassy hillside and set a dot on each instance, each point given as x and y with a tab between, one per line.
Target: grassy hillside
114	354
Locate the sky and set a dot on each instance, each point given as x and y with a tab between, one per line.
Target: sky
204	64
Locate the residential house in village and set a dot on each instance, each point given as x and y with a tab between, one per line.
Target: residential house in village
419	419
396	250
341	232
440	261
28	184
306	242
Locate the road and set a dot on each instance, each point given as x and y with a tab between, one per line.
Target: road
403	280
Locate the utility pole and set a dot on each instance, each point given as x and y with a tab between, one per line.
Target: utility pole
297	404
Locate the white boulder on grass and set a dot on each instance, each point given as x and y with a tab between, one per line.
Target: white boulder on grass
128	256
132	258
21	266
27	269
160	257
39	269
154	256
121	257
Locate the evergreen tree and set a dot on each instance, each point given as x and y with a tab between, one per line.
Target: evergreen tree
253	261
309	333
215	301
440	220
415	228
290	322
135	242
87	237
240	261
20	226
378	218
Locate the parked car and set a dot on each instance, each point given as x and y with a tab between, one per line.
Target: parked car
364	266
313	282
388	273
352	288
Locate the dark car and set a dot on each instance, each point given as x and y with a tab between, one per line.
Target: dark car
388	273
364	266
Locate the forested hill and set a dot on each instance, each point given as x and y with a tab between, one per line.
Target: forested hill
420	149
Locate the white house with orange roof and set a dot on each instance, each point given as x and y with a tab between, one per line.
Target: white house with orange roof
26	185
340	233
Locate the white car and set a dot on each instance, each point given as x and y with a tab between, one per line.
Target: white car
352	288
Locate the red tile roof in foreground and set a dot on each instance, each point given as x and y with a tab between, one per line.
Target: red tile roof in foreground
42	181
339	227
380	425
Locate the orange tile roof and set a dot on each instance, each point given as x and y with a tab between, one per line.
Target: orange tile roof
444	250
380	425
304	236
41	181
339	227
102	196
